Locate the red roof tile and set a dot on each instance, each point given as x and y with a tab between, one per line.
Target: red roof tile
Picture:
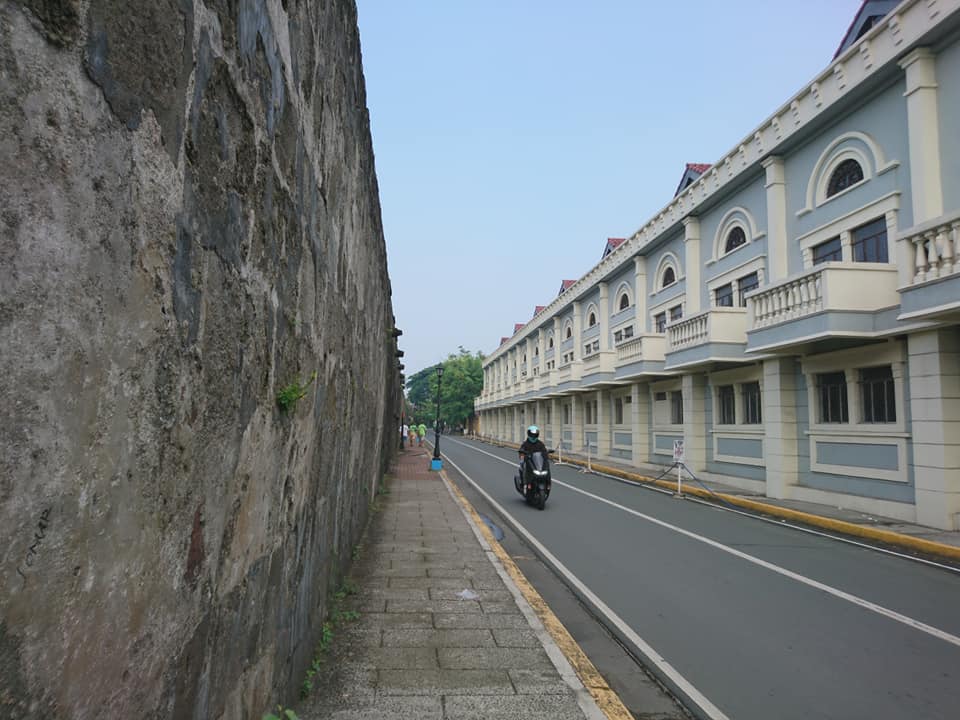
538	309
698	167
503	340
517	327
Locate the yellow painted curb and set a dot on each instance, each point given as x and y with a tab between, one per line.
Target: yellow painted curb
606	698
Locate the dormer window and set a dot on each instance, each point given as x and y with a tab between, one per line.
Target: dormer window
847	174
669	277
735	238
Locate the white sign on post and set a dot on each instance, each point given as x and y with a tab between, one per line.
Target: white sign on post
678	450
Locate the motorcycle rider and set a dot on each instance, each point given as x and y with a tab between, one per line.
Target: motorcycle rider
532	444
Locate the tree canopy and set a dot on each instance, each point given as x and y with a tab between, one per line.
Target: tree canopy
460	384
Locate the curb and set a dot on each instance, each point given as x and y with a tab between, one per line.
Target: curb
887	537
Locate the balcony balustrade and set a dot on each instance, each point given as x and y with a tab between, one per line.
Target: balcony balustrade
641	347
933	249
717	325
855	287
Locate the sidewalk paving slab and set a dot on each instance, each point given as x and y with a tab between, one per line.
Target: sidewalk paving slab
419	650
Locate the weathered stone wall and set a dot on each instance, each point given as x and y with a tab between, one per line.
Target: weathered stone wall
189	222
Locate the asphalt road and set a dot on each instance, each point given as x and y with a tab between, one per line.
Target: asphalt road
741	618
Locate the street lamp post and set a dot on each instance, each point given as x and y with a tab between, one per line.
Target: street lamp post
436	424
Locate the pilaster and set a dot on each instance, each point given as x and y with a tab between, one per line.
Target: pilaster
604	310
691	244
776	187
934	361
640	422
779	397
640	292
603	423
695	421
923	132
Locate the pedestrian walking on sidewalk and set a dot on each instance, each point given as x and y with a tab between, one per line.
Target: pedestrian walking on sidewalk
413	434
421	432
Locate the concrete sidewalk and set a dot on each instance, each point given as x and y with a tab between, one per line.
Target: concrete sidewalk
439	628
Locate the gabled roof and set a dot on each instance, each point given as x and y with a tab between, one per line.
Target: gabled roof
869	14
612	244
539	309
566	285
518	327
690	174
503	340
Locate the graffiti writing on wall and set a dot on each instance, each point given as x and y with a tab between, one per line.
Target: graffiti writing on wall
41	532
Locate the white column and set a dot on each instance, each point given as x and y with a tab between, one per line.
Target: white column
604	310
934	358
576	434
695	421
640	292
781	442
639	422
556	427
603	423
776	186
691	243
923	130
577	324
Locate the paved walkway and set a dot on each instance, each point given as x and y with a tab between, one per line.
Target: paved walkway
443	631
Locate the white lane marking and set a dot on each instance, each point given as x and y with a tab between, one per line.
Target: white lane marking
855	599
693	695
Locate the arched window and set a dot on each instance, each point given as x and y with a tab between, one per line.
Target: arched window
569	332
847	173
592	320
536	352
735	238
624	302
669	277
551	342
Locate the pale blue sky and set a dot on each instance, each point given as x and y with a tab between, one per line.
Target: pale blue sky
513	137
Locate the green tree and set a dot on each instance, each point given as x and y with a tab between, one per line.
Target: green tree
462	382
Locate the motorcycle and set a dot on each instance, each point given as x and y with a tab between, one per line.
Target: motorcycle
535	483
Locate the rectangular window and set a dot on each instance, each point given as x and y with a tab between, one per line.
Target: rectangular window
676	408
726	401
723	296
586	349
547	415
877	395
660	322
566	414
747	284
870	242
618	411
676	312
618	336
660	397
832	392
828	251
628	332
586	414
751	403
596	346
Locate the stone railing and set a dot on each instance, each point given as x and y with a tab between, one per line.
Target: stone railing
591	363
721	324
643	347
931	250
831	286
630	351
564	372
